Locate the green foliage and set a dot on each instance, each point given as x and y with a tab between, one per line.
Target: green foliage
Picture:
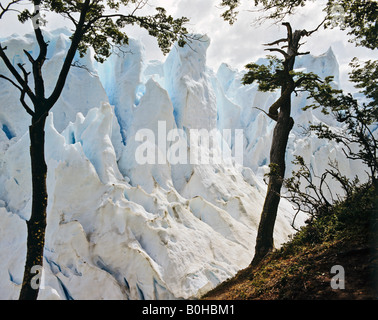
354	214
269	77
350	218
365	77
103	24
274	172
161	26
357	118
359	17
311	194
321	93
277	9
230	14
348	215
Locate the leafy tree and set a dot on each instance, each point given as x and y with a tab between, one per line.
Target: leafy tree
96	24
358	119
279	74
358	135
360	19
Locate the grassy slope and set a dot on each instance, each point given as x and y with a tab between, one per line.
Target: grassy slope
301	269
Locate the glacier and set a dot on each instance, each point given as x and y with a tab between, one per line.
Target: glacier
118	229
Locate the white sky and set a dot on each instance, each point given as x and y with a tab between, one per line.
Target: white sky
241	43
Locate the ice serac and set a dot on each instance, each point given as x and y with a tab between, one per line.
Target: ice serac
94	133
119	228
142	244
120	76
155	114
188	84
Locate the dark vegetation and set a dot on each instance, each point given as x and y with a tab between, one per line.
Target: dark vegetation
345	235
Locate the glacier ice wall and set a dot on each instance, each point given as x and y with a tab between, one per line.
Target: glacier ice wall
117	229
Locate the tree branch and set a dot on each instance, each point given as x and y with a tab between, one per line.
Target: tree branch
8	7
22	97
273	117
139	6
38	63
309	33
276	42
76	37
305	78
73	20
11	81
25	73
273	110
31	59
26	107
278	50
289	30
17	76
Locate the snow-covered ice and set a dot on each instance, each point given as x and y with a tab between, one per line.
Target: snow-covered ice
118	229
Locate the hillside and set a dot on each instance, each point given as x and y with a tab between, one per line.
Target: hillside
301	269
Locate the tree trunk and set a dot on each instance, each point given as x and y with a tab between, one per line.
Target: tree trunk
264	240
37	223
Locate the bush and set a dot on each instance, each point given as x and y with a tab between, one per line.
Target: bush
353	218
